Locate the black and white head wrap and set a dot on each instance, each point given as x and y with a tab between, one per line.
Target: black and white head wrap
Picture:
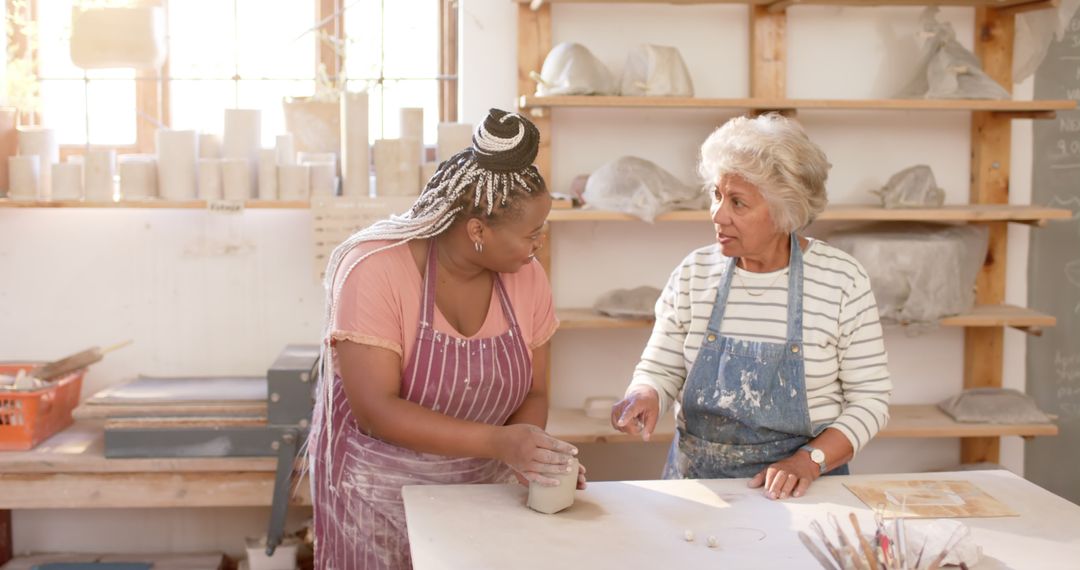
478	181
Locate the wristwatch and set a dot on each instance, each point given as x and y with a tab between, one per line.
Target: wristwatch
816	455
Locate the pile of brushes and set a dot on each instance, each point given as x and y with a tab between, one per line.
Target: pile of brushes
887	549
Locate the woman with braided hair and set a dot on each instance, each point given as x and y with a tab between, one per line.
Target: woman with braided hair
438	324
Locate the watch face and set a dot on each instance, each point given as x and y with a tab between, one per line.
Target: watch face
817	456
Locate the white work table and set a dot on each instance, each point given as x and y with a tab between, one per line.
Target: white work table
641	524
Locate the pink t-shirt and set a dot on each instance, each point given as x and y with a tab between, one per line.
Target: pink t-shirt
379	304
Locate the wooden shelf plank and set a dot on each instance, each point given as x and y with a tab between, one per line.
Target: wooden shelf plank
572	425
835	212
150	204
70	471
979	316
907	420
589	319
81	449
1000	315
854	212
927	420
853	3
1041	109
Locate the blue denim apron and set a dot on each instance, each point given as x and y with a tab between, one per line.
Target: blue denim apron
744	402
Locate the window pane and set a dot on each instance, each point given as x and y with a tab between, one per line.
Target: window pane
268	44
363	28
267	96
412	50
398	94
63	108
54	40
200	105
112	110
201	43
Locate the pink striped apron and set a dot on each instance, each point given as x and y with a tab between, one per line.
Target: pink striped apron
358	512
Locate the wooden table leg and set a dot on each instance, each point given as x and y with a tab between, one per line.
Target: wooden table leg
5	536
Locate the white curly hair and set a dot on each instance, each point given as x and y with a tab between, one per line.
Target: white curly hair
773	153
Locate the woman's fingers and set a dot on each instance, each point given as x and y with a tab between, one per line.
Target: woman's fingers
540	479
801	488
546	442
628	419
789	485
780	484
649	425
758	480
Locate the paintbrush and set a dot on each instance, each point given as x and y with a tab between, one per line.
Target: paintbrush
815	551
53	370
871	559
847	545
816	527
918	559
951	543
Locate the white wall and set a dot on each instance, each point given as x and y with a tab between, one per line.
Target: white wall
204	294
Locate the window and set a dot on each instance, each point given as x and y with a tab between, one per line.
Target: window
252	54
67	92
392	50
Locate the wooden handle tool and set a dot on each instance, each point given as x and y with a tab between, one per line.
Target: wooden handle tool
57	368
871	558
816	552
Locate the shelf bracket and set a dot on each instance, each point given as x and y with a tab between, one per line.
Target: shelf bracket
1021	6
1031	330
787	112
782	5
1036	115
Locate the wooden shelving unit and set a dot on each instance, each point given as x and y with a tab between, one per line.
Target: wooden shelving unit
906	421
1008	108
991	123
778	5
70	471
1037	215
151	204
979	316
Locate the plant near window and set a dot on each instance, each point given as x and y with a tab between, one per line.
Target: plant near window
23	90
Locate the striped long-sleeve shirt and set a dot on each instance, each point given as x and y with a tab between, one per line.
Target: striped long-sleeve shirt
847	377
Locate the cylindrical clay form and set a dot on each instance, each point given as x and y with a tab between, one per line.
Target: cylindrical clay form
99	173
549	500
355	150
177	156
67	181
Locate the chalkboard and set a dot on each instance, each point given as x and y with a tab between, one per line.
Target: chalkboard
1053	360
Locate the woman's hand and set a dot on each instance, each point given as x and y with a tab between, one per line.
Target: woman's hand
581	477
637	412
789	477
581	483
533	453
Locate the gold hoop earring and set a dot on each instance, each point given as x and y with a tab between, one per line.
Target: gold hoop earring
478	246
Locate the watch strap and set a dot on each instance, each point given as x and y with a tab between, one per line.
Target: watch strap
811	449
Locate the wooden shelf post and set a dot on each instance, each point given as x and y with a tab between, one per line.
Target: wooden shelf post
534	43
768	53
991	136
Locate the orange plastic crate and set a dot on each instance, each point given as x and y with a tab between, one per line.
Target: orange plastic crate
28	418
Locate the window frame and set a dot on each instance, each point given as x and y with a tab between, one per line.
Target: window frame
152	88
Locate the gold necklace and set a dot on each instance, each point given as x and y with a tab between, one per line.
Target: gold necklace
746	286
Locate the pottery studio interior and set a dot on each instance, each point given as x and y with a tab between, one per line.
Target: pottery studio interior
535	284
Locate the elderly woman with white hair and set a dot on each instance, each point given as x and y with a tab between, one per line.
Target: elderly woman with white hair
768	342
